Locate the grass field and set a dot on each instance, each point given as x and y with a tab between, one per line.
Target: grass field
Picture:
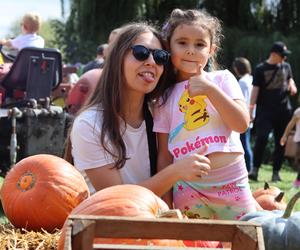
288	175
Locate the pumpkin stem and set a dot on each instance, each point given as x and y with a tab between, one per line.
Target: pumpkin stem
290	205
279	197
172	213
266	186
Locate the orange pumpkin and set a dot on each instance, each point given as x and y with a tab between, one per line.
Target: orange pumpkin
123	200
133	201
267	189
270	198
269	202
40	191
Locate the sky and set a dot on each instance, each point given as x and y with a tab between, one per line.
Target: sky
13	10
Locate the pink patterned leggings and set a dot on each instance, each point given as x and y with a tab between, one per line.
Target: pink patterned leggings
223	194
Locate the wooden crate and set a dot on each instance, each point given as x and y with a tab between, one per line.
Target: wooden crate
82	229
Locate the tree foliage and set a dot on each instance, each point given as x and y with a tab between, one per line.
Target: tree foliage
250	26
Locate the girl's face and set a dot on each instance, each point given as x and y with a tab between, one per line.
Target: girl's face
142	76
190	48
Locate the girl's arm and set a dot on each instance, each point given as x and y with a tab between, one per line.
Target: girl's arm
288	129
234	113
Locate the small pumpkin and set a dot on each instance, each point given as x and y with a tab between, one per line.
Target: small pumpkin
125	200
40	191
269	202
267	189
270	198
281	229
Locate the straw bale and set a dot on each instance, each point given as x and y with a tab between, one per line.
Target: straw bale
12	238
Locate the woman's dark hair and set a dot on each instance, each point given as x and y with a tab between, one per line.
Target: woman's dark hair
108	96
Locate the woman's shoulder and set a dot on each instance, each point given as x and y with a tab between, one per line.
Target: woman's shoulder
89	115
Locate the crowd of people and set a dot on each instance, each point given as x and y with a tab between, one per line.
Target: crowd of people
161	113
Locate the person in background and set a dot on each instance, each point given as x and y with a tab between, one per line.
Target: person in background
111	38
272	84
98	62
242	69
295	121
31	24
110	139
203	110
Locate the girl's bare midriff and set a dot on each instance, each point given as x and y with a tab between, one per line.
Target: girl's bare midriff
222	159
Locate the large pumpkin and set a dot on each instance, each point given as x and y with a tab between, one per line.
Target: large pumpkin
124	200
281	229
40	191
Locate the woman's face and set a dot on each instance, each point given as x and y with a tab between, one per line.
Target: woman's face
142	76
190	48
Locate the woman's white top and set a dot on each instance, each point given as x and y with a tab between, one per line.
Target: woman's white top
88	153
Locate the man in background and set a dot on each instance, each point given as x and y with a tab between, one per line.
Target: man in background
272	84
98	62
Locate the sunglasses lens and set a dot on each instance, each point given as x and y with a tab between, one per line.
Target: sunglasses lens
140	52
161	57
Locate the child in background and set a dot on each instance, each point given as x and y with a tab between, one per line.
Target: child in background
31	24
242	69
295	121
203	110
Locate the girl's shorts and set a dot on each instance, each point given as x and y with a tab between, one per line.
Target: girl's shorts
222	194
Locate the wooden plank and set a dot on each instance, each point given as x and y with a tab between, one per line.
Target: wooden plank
196	229
260	238
242	235
83	234
68	237
131	247
245	238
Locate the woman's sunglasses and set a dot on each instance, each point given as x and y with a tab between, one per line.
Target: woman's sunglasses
141	53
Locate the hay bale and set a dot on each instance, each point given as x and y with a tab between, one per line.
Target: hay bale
12	238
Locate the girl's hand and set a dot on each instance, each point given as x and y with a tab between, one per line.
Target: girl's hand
193	167
198	84
283	140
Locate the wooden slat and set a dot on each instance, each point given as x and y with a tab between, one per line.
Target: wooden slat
83	234
242	235
131	247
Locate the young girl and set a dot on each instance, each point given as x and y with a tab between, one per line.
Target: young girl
204	109
109	135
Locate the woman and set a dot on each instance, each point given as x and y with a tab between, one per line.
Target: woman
109	138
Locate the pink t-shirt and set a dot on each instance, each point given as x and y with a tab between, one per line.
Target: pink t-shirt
194	122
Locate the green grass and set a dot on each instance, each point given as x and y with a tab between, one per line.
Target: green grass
287	174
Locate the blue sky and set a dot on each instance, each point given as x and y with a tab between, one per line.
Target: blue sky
13	10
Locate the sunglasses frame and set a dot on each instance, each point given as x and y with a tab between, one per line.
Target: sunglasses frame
154	53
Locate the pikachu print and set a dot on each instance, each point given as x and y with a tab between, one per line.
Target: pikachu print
195	111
